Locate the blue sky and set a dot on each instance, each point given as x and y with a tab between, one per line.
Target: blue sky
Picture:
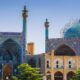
59	12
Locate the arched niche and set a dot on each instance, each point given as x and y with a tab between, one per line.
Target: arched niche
58	75
70	75
64	50
10	51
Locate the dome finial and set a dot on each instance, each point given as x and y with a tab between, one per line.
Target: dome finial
46	20
25	12
24	7
46	23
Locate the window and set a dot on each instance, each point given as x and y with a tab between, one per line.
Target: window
69	66
57	64
70	63
47	61
48	64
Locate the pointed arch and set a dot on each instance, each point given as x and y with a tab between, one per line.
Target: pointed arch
58	75
70	75
64	50
11	51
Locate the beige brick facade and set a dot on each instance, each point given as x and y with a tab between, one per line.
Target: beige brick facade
60	67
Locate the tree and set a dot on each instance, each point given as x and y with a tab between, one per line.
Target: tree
14	78
26	72
78	75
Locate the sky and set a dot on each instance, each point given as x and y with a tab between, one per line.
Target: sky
58	12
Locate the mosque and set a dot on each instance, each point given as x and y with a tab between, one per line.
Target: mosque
12	50
62	58
60	61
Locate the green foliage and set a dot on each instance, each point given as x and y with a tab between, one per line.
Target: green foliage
14	78
26	72
78	75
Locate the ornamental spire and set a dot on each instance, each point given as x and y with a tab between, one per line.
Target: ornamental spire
25	12
46	23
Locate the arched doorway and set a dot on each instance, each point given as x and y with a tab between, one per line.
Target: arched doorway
7	72
58	76
64	50
70	75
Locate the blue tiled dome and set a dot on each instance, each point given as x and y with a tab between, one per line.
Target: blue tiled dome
73	31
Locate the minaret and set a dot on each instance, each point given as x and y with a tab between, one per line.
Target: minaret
25	16
46	32
46	29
